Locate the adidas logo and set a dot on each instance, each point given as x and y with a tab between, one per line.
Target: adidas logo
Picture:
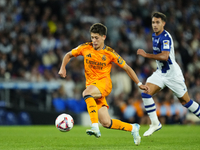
89	55
93	111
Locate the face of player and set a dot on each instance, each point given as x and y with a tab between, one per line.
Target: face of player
98	41
157	25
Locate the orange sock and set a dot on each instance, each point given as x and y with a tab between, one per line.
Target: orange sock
91	108
119	125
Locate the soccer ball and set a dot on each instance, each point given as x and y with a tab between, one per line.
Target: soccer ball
64	122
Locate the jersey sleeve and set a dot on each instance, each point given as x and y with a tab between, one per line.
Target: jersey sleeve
166	44
117	59
77	51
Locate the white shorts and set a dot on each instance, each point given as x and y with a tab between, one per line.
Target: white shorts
176	84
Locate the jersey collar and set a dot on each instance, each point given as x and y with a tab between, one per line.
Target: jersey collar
104	46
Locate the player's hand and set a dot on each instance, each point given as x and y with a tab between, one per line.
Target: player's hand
62	73
144	87
141	52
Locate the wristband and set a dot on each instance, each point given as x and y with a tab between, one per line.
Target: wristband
140	83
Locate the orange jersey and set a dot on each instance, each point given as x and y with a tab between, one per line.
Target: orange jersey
97	64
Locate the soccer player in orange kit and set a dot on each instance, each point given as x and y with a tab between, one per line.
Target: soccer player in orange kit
98	60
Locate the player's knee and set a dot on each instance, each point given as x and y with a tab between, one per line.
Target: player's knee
106	123
85	92
145	95
184	99
183	102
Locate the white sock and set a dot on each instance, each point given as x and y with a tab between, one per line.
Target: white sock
95	125
150	108
193	107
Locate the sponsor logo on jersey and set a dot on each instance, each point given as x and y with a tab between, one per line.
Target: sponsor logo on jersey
95	64
156	49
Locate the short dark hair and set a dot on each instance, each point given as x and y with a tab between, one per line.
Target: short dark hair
98	28
159	15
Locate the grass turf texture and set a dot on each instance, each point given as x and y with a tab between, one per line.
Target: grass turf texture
176	137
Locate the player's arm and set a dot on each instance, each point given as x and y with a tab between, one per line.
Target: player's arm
66	59
134	77
163	56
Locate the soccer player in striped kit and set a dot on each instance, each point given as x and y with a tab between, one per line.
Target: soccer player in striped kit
168	73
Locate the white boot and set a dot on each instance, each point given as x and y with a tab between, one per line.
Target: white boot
152	129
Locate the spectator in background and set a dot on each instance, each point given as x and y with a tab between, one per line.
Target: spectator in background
69	86
48	43
132	109
5	46
122	86
197	97
49	59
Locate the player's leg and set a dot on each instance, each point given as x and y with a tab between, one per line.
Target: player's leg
99	89
107	122
190	104
90	94
155	83
150	108
177	85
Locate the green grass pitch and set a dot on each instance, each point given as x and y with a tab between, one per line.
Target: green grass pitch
174	137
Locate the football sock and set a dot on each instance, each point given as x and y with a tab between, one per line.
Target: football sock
150	108
91	108
95	125
119	125
193	107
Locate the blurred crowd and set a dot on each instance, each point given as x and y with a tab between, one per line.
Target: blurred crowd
36	34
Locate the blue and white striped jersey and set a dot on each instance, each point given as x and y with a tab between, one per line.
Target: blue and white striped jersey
164	42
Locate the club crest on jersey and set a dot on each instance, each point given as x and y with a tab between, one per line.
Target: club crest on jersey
166	44
120	60
104	58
